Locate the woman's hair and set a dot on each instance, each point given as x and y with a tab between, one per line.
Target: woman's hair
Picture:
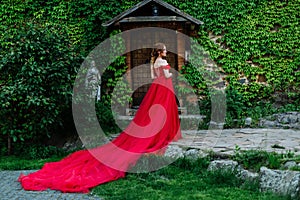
158	47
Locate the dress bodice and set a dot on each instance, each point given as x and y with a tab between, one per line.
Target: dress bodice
159	71
159	66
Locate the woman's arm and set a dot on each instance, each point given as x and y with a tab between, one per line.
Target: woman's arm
152	71
167	73
165	66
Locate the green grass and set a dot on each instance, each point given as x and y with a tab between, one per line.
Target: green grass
254	159
183	179
19	163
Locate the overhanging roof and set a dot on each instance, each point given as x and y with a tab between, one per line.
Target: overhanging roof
126	13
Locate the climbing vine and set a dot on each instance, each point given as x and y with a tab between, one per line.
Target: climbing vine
256	41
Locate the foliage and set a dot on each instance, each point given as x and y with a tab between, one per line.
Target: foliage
42	43
116	89
193	76
106	118
37	68
254	159
256	40
42	46
257	37
36	151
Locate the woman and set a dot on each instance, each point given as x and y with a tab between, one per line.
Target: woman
154	126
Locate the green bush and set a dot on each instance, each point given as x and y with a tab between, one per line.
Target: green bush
37	69
106	118
42	44
33	152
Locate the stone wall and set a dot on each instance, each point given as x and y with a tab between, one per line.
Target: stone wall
282	120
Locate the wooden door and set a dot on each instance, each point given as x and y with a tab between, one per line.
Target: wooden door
141	77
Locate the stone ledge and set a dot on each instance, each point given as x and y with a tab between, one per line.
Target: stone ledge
130	117
283	182
132	111
288	120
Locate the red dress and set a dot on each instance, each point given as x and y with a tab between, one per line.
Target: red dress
154	126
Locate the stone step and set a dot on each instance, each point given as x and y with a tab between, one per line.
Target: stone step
199	117
187	122
132	111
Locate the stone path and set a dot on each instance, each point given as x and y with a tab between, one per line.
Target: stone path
219	141
10	189
225	141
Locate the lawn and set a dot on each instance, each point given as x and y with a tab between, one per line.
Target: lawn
183	179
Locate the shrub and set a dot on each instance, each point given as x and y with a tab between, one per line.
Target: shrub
37	69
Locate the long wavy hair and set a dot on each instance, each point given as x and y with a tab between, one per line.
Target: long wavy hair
158	48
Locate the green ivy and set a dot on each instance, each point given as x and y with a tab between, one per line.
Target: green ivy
257	38
264	33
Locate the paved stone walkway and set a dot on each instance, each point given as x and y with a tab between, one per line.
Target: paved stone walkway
225	141
10	189
220	141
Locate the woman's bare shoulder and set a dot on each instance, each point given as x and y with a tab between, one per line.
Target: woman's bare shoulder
160	62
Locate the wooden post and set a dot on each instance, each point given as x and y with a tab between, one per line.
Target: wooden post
9	149
128	59
180	47
128	63
180	57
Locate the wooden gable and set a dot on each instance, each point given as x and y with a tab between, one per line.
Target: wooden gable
152	11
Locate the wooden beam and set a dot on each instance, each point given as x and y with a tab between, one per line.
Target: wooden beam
153	19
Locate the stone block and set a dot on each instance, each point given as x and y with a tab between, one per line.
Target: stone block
226	165
174	151
192	154
282	182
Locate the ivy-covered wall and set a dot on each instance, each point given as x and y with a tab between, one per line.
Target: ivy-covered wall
42	44
255	44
